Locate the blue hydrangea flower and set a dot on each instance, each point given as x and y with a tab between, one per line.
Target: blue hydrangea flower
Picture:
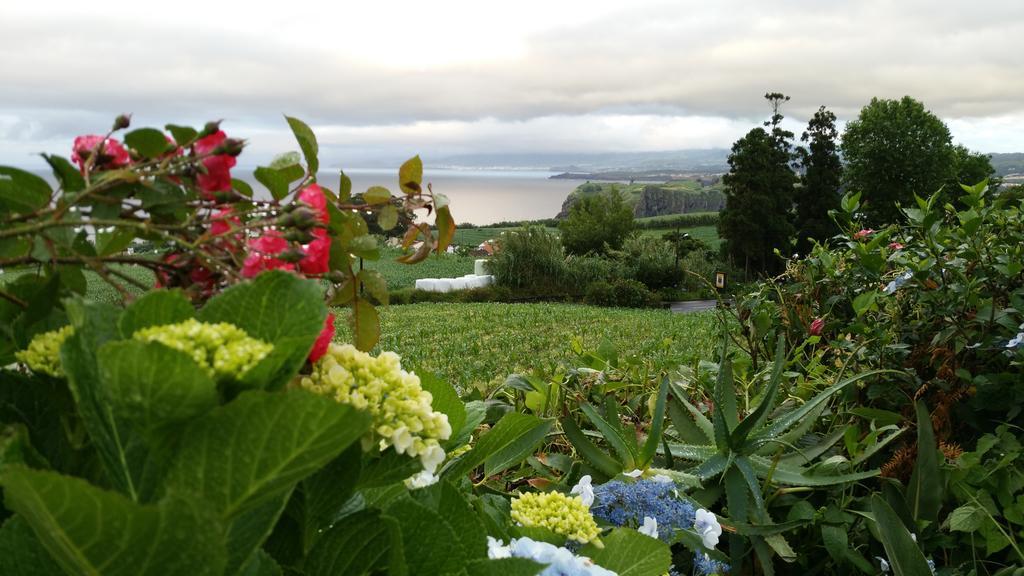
898	282
626	504
560	561
706	566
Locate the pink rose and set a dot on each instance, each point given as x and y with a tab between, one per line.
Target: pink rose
318	254
111	153
262	254
314	196
863	234
817	326
895	246
323	340
222	222
218	168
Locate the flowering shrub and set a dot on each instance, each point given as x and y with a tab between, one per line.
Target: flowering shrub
627	504
401	409
43	352
222	350
564	515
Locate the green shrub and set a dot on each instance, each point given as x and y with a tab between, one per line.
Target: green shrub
581	271
650	261
595	222
623	293
530	257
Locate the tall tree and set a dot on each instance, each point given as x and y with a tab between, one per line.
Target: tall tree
971	168
894	149
757	217
596	221
820	182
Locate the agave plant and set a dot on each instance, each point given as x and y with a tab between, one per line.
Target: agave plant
746	456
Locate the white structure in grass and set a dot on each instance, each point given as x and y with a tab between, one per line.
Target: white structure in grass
478	279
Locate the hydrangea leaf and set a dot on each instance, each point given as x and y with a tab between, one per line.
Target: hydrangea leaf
278	308
504	567
153	385
362	543
88	530
259	445
630	553
155	308
21	553
429	544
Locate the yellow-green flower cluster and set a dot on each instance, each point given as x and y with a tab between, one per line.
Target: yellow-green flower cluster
43	352
564	515
223	350
401	409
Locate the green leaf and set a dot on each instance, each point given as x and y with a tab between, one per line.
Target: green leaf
755	418
865	302
905	558
650	447
344	187
511	440
250	529
260	564
429	543
623	447
445	228
363	543
307	142
242	187
259	445
22	191
767	529
285	160
375	284
793	476
476	411
114	242
376	195
410	176
925	490
326	492
588	450
726	415
780	425
444	399
276	181
183	135
66	173
21	553
967	518
504	567
388	217
630	553
365	325
447	500
155	308
149	142
276	307
152	385
92	531
705	430
781	547
95	324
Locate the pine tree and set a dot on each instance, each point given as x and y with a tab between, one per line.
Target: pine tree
757	218
820	182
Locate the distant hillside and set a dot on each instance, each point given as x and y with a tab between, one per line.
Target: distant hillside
675	197
1009	163
711	160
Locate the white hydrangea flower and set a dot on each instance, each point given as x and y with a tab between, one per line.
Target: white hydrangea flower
584	490
421	479
707	527
633	473
497	550
650	527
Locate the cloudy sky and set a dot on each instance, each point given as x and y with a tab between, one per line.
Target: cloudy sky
386	79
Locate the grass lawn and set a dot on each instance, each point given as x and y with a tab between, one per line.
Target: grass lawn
405	275
472	344
707	234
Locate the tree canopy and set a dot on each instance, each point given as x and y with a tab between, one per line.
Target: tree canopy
820	182
596	222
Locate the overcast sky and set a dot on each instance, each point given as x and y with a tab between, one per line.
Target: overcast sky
387	79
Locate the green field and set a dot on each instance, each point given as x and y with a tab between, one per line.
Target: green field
708	234
405	275
479	344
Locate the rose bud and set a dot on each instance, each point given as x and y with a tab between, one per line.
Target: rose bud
123	121
230	146
817	326
292	255
210	128
304	218
300	236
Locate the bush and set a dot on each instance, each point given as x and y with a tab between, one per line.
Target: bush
581	271
528	258
650	261
623	293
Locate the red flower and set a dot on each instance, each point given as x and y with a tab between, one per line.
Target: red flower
895	246
263	252
222	222
863	234
218	168
323	340
314	196
318	254
111	153
817	326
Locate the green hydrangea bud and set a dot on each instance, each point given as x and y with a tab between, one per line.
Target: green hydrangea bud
564	515
43	353
403	417
223	350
